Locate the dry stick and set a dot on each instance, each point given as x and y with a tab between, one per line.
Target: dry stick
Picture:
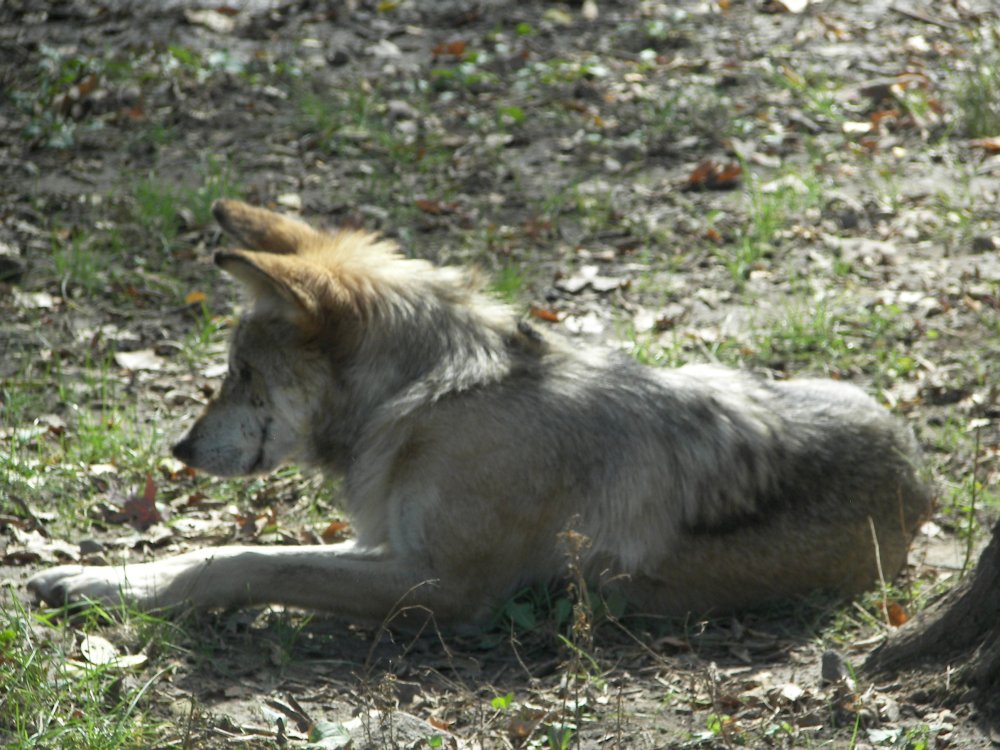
618	718
881	575
923	17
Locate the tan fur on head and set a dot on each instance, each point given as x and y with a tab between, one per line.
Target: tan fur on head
304	287
290	267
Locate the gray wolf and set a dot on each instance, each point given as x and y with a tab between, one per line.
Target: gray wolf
469	442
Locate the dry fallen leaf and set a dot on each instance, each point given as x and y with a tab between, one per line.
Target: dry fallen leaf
791	692
990	145
454	48
544	313
589	276
211	19
97	650
335	531
896	614
786	6
143	359
139	511
292	201
435	208
101	652
710	175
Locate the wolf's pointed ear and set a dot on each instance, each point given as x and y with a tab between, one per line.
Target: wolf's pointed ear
288	284
260	229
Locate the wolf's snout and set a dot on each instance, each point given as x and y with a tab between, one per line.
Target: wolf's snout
184	450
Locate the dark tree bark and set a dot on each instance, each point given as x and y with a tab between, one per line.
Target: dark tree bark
960	631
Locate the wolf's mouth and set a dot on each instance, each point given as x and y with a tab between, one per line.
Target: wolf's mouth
258	461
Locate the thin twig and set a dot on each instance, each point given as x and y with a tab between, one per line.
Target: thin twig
881	575
917	15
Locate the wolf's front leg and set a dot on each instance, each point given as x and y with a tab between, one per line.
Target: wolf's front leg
340	578
169	584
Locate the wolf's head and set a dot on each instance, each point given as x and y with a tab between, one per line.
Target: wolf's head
339	325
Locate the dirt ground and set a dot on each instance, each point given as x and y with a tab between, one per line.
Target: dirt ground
788	187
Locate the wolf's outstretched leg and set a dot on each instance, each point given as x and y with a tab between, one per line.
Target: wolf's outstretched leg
336	578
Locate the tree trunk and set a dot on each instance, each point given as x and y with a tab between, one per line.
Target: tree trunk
960	631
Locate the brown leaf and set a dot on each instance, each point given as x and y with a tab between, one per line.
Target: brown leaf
86	86
435	208
455	48
883	114
336	530
990	145
710	175
139	511
544	313
896	614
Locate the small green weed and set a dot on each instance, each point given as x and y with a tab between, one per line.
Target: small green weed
156	206
770	207
467	73
653	350
977	87
355	124
816	90
804	333
560	71
701	110
163	208
508	283
502	702
219	181
77	263
48	103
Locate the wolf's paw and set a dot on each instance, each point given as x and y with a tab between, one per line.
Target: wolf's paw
74	584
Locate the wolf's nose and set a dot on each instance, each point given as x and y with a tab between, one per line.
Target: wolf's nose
184	450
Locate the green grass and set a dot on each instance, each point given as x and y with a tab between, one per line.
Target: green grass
162	207
977	85
356	124
509	283
96	425
817	92
51	697
770	207
76	262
